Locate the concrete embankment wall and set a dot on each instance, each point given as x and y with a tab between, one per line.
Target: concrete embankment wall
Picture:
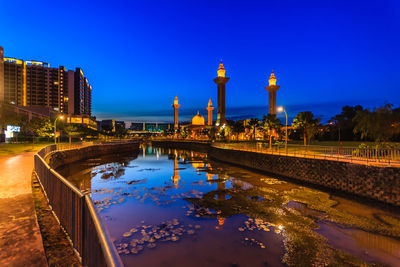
378	183
191	145
59	158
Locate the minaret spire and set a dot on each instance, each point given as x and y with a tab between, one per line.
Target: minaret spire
221	80
272	88
210	109
176	119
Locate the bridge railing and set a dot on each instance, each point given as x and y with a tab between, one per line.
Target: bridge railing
378	156
76	214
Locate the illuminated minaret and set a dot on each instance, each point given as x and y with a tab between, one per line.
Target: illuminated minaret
176	106
210	109
272	88
221	80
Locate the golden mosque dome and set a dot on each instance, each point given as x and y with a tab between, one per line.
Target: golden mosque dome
198	120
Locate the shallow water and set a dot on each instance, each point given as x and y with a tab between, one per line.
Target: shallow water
167	207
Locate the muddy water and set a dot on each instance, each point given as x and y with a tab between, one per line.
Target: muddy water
167	207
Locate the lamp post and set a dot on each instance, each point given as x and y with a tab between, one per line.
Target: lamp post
280	109
61	117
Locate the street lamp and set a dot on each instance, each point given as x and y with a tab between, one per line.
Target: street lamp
280	109
61	117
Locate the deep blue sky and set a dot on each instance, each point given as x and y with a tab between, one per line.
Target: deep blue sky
139	54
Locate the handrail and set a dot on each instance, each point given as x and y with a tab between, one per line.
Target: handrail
112	257
109	252
378	157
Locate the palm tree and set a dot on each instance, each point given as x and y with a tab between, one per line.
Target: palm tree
253	125
238	128
271	124
306	122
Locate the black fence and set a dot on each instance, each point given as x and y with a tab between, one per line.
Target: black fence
77	215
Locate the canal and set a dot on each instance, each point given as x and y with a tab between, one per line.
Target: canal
168	207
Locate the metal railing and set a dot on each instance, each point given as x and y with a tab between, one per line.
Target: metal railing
76	214
369	156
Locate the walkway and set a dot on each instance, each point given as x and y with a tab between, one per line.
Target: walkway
20	239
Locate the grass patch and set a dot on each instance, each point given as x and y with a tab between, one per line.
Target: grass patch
14	149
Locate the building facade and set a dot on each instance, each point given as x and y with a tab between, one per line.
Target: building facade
36	84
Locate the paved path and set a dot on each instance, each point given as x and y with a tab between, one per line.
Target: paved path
20	239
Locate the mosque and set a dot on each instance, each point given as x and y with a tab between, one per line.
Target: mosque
198	126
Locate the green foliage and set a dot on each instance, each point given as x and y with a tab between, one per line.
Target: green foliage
39	127
344	124
120	131
271	125
253	125
306	122
379	125
72	130
238	128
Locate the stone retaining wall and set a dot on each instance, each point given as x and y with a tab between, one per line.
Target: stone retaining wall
63	157
378	183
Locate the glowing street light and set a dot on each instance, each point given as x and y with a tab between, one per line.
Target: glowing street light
280	109
61	117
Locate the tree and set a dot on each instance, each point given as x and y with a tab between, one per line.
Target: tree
271	124
344	123
238	128
71	130
120	131
253	125
380	125
40	127
306	122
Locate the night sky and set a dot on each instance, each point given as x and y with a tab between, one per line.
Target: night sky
139	54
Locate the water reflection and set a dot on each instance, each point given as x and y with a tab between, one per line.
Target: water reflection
174	202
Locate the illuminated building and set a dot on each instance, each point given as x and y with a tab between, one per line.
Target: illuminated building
176	119
150	126
221	80
83	93
272	88
36	84
84	120
210	109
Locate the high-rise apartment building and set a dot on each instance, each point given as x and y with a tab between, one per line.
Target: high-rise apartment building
36	84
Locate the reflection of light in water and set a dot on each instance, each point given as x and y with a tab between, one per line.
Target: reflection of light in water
209	177
278	228
198	165
176	177
221	221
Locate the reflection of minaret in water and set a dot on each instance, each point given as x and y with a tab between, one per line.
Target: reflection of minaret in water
221	187
175	177
144	151
209	175
220	197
